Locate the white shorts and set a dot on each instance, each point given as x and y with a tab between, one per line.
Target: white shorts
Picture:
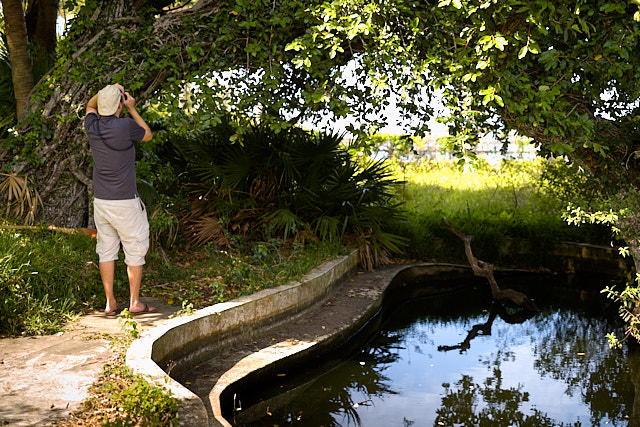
121	221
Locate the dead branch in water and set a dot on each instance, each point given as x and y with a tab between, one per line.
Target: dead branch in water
484	269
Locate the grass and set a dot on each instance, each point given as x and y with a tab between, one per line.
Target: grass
516	199
48	278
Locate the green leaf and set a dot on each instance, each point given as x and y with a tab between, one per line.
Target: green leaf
523	52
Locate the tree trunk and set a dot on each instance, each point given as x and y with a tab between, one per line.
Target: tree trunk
484	269
21	72
41	20
63	170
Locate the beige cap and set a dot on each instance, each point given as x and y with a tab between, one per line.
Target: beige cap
108	100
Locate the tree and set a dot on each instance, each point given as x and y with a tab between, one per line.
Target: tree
31	42
41	20
154	53
562	73
16	32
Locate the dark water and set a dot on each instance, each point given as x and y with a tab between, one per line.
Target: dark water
424	368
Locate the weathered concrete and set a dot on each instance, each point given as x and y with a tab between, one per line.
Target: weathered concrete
184	342
325	329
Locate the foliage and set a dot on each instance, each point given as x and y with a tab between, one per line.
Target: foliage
290	183
197	279
617	219
627	298
540	68
394	146
46	278
563	74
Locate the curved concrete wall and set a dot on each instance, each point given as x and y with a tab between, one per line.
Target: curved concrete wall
183	342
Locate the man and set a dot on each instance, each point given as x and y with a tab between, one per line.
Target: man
119	215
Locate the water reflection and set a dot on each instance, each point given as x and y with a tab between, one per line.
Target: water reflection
497	309
554	369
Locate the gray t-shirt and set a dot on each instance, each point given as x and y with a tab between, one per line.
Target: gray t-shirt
114	157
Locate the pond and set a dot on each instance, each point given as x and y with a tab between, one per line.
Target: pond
454	360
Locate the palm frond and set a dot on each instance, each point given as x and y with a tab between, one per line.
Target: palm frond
284	222
21	201
207	229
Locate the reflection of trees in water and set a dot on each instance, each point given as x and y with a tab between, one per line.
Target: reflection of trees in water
568	348
574	350
461	404
497	309
330	396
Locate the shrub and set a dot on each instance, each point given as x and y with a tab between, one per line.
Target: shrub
292	183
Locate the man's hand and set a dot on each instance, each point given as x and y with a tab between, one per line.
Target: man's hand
128	101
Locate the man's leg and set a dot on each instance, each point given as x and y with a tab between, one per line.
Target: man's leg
135	280
106	273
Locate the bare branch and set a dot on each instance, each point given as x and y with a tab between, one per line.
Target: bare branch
484	269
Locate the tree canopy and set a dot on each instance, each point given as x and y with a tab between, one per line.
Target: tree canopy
561	73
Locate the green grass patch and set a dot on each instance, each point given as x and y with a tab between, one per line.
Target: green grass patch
46	279
199	278
515	199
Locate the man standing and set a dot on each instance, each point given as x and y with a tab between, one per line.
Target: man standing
119	214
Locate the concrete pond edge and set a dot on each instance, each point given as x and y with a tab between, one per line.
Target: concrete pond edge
182	342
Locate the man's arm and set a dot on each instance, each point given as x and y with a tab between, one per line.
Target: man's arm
130	103
92	105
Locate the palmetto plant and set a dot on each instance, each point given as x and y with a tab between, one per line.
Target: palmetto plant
21	201
293	183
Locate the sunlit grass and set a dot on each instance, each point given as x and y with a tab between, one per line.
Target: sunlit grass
492	202
443	187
